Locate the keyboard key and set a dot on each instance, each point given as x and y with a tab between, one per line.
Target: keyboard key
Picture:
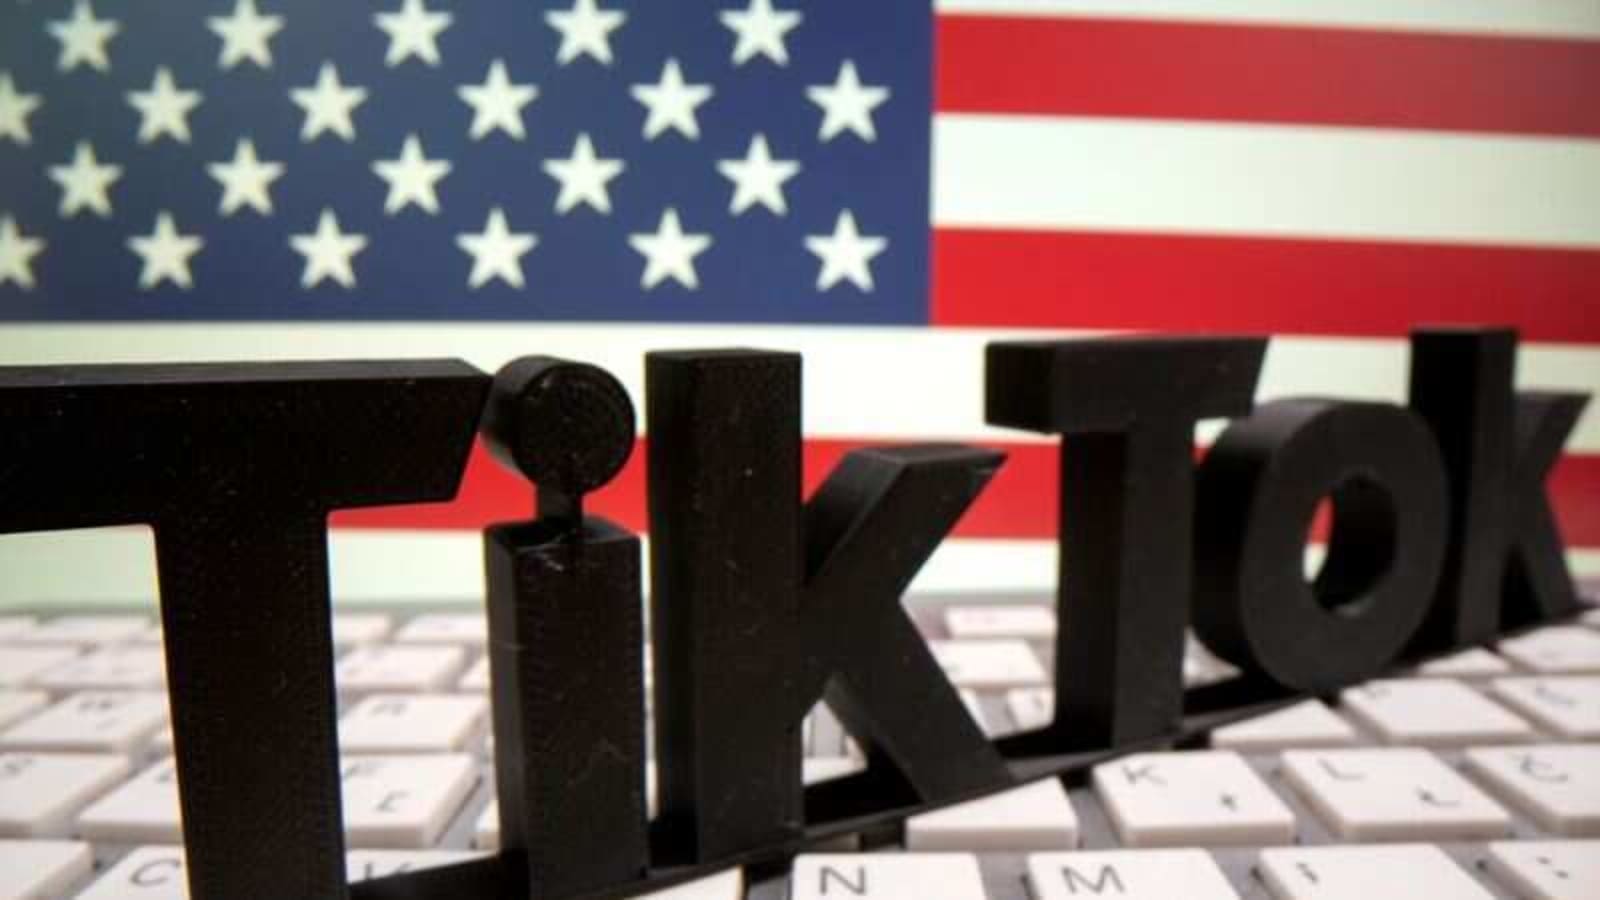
898	876
412	723
41	870
1398	872
477	678
1128	875
142	811
403	802
1196	797
157	873
989	664
14	625
107	669
1470	663
1031	708
350	629
1035	816
1568	706
469	629
20	664
1307	724
1433	712
1547	870
974	705
84	630
92	721
1392	794
389	668
18	705
1558	785
821	768
39	792
1000	621
1557	650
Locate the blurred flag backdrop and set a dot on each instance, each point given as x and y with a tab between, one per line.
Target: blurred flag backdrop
882	186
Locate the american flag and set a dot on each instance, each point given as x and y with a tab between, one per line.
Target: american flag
882	186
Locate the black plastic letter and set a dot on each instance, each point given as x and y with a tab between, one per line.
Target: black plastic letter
1127	408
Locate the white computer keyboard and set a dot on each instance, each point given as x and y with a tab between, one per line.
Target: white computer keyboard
1476	776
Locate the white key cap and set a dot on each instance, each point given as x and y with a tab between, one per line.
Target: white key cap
1307	724
477	678
1392	793
92	721
350	629
393	668
403	801
1000	621
18	705
107	669
821	768
974	705
470	629
41	870
143	811
1035	816
84	630
39	792
19	664
1557	650
412	723
1433	712
14	625
1128	875
1558	785
897	876
1209	797
1547	870
989	664
1566	705
1469	663
362	865
1366	873
1031	708
721	886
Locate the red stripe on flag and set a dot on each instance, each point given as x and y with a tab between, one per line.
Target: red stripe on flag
1019	503
1326	76
1268	285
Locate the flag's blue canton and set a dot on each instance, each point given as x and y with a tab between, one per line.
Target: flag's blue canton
843	92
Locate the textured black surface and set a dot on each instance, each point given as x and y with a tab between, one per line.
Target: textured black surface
565	637
235	468
1505	556
1127	409
1256	496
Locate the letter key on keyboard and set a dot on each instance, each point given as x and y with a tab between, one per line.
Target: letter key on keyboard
1433	712
896	876
1035	816
92	721
1307	724
1128	875
1567	705
1556	650
1548	870
1395	872
41	870
39	792
1392	794
1197	797
1557	785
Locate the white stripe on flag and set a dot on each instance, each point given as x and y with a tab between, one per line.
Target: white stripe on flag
890	383
1043	173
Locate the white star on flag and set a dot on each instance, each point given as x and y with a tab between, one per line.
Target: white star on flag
16	254
758	178
847	104
496	251
245	180
583	177
585	31
244	35
846	254
671	102
497	103
669	252
328	105
328	252
83	38
14	110
413	178
85	182
413	31
760	29
164	109
165	254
